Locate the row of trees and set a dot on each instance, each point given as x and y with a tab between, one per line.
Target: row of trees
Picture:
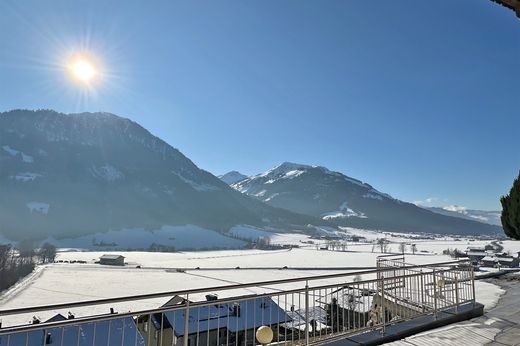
15	263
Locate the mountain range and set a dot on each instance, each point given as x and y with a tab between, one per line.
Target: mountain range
490	217
73	175
345	201
68	175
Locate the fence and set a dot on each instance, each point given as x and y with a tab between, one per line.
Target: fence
297	311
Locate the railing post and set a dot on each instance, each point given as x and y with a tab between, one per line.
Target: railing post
456	293
422	291
383	312
187	321
473	283
307	312
434	295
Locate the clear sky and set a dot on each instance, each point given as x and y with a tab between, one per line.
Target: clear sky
421	99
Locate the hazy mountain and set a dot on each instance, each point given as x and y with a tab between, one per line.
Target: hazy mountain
338	198
232	177
76	174
489	217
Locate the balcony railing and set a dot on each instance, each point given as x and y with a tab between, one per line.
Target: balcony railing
290	311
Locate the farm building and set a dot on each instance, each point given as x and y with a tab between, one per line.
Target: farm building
113	260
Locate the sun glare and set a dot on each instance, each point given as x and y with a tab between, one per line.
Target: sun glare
82	69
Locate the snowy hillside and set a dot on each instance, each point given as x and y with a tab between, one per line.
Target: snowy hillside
489	217
75	175
345	201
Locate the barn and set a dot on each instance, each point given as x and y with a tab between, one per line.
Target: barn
113	260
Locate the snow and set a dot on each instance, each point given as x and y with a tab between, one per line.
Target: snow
13	152
38	207
370	195
178	237
159	273
249	232
344	212
271	197
198	187
25	176
487	294
108	173
260	194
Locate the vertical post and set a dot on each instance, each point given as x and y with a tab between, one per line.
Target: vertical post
472	283
306	313
422	291
456	293
434	295
187	321
383	310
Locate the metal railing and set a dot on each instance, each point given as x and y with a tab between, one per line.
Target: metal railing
297	311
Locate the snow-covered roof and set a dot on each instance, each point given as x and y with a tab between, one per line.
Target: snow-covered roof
476	253
105	332
497	259
111	257
316	313
253	313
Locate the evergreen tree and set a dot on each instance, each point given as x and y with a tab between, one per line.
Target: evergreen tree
511	210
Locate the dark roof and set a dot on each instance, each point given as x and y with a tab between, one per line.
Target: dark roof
56	318
118	328
511	4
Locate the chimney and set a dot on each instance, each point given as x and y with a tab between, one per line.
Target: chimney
111	310
70	316
211	297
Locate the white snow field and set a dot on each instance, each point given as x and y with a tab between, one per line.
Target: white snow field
66	282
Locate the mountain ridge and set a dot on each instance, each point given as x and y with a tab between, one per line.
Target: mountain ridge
64	175
346	201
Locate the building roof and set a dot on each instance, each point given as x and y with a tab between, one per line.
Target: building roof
497	259
253	314
476	253
111	257
88	336
316	313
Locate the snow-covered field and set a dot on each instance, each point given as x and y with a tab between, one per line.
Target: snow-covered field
168	272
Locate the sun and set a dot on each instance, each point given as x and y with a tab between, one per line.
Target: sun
83	69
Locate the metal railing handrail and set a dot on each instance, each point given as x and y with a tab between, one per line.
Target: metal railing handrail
167	308
103	301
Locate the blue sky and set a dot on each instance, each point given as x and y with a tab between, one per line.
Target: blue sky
420	99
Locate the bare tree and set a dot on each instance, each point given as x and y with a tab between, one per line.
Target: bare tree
414	248
402	248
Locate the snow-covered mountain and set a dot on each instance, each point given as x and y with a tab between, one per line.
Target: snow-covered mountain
489	217
232	177
67	175
343	200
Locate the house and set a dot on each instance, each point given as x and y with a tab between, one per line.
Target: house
119	331
114	260
500	260
476	253
226	323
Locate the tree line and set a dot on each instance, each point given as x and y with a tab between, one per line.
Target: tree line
17	262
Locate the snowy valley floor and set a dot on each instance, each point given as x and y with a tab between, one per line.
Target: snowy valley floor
65	282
